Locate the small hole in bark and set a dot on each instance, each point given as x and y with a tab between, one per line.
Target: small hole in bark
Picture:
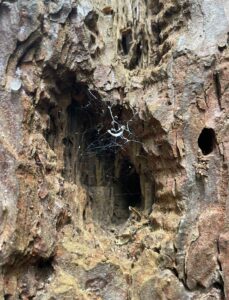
136	58
169	102
45	264
92	40
218	286
156	30
126	41
91	21
207	140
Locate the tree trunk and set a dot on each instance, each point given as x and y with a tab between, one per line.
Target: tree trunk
114	149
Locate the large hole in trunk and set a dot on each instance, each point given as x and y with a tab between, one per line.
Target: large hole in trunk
96	138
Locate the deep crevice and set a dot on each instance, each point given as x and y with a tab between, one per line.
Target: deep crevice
137	55
126	41
127	192
216	77
156	30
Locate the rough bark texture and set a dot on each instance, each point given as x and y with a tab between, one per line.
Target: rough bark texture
114	149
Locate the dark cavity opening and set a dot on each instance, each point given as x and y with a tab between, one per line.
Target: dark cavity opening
98	159
126	41
156	30
127	192
45	265
137	55
207	140
96	138
91	21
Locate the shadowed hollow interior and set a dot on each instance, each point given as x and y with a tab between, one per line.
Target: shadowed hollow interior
96	158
